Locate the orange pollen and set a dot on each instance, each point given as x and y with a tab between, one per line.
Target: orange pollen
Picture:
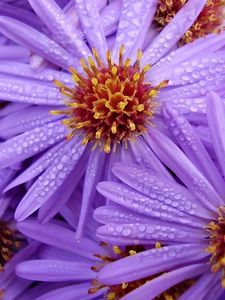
111	103
210	20
116	292
216	246
10	242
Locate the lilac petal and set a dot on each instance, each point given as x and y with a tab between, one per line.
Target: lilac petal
56	201
60	237
20	14
157	286
91	24
193	94
26	120
192	70
13	52
29	91
158	188
71	292
201	288
199	48
93	175
144	157
30	143
216	115
24	70
12	108
189	141
149	232
133	25
154	206
54	270
37	42
176	160
150	262
50	181
55	19
39	166
171	34
110	16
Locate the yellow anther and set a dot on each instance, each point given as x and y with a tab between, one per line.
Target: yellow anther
158	245
58	83
139	54
111	296
117	250
56	112
109	58
140	107
136	76
127	62
97	58
77	105
75	78
97	115
87	138
114	70
122	105
94	81
114	128
131	125
132	252
124	285
121	53
107	147
82	124
146	69
99	133
91	62
153	93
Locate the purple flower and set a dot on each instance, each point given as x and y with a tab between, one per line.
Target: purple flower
56	166
185	213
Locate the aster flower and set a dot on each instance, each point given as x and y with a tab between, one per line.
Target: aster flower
68	269
185	214
111	103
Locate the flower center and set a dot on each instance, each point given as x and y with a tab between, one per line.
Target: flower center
115	292
210	20
10	243
112	103
217	244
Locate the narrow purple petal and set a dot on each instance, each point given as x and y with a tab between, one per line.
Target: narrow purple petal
150	262
216	115
176	160
30	143
133	25
29	91
37	42
189	141
55	19
50	181
54	270
94	171
91	24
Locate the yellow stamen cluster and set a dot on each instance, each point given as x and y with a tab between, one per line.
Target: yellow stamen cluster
111	103
116	292
210	20
217	244
9	244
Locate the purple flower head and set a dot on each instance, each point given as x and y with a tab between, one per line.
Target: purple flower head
112	112
67	269
184	213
